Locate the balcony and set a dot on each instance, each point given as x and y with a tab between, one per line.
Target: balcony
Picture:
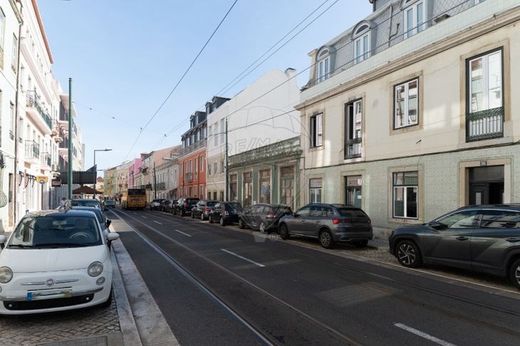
193	147
37	113
485	124
160	186
353	148
32	152
46	160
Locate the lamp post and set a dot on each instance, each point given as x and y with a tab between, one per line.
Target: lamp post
95	167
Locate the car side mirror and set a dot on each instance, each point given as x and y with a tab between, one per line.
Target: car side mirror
3	239
112	236
296	214
108	223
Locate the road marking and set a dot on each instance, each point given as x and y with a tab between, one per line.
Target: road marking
241	257
186	234
380	276
144	217
157	222
423	335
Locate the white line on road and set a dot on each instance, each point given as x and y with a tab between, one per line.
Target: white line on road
241	257
423	335
157	222
186	234
144	217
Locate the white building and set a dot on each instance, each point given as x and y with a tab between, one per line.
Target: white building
411	112
260	115
10	21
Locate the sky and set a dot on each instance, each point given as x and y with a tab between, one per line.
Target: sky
125	57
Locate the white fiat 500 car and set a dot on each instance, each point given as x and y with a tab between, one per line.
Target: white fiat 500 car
53	261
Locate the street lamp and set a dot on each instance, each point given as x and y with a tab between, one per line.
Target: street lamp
95	167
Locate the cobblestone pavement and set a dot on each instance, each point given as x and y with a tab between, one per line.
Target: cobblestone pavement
59	327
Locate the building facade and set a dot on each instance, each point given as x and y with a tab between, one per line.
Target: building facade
409	113
192	158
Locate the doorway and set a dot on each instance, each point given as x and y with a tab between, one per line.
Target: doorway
486	185
353	192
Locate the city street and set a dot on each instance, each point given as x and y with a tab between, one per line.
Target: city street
221	285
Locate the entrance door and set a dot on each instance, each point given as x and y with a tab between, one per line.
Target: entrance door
486	185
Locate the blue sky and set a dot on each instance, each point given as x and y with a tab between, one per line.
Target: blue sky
125	56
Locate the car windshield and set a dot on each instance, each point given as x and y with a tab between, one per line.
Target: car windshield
56	231
85	203
211	203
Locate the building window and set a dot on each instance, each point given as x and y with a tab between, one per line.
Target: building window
209	168
2	34
215	134
233	187
265	186
222	166
247	189
287	186
222	130
362	43
315	190
323	65
414	18
485	100
353	190
354	129
406	107
221	196
15	53
215	168
405	186
317	130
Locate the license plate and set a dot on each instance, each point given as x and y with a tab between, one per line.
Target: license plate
51	294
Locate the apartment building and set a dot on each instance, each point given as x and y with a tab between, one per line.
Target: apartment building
192	158
409	113
263	133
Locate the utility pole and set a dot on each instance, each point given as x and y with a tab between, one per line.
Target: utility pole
154	182
226	190
16	111
69	168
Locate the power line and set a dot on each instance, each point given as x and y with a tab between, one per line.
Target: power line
243	74
182	77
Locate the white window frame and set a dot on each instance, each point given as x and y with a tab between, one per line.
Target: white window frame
405	187
406	120
315	191
362	43
415	26
323	68
485	82
316	123
354	127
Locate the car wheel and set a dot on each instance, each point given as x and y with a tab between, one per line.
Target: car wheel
408	254
360	243
241	224
222	221
210	219
326	239
108	302
284	232
514	273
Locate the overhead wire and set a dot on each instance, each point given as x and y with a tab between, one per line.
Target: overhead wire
181	78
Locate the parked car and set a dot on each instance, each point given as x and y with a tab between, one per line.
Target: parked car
156	204
202	209
483	238
165	204
104	222
169	207
110	203
329	223
184	205
225	213
79	275
85	202
263	217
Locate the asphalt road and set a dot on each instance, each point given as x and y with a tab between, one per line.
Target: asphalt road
217	286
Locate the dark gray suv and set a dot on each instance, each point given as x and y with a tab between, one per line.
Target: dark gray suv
329	223
479	238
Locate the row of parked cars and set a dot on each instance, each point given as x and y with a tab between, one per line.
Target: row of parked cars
329	223
479	238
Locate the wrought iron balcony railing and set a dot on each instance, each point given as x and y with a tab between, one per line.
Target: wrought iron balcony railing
33	100
485	124
32	150
353	148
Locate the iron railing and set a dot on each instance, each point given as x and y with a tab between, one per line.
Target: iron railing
485	124
32	150
353	148
33	100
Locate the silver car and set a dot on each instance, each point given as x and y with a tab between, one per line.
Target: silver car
330	223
